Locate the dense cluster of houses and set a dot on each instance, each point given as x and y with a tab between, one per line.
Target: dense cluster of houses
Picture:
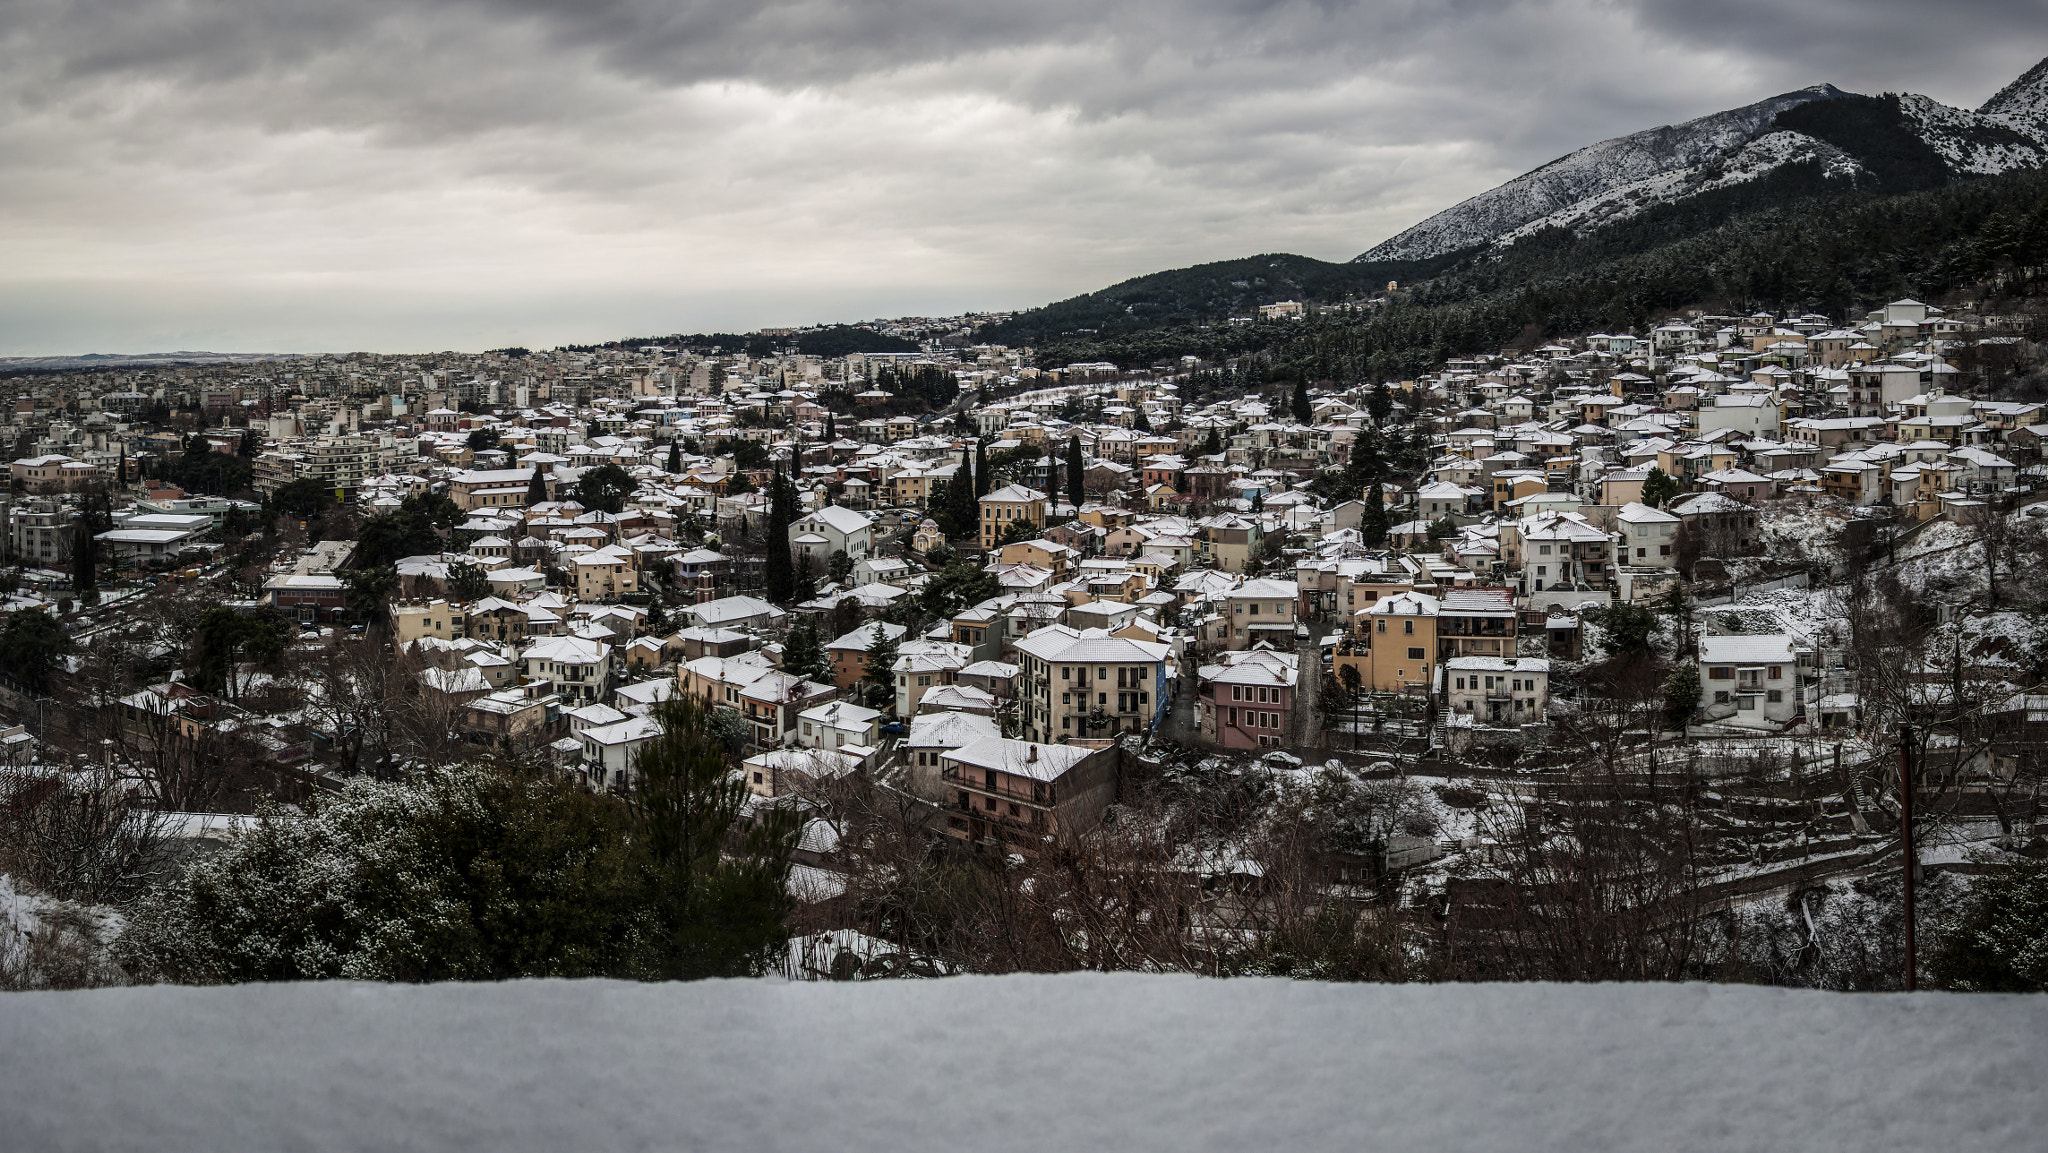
1198	582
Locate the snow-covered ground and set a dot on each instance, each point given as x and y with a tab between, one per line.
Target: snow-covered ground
1079	1062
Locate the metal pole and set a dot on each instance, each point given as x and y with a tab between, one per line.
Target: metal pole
1906	839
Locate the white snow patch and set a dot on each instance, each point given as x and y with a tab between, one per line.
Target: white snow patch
1084	1061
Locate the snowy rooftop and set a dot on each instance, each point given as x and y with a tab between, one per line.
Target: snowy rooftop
1119	1062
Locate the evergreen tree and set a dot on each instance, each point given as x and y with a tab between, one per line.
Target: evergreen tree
467	582
840	566
803	655
1373	524
804	580
831	426
980	469
780	572
1077	476
605	488
721	883
1052	485
95	516
536	488
1379	402
1363	465
1659	487
1214	444
880	676
1302	412
961	506
1142	423
675	456
30	645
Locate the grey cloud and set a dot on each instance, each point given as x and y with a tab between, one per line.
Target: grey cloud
810	150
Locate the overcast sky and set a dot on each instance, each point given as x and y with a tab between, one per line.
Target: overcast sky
312	175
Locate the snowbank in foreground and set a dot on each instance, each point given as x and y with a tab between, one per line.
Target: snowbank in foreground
1046	1064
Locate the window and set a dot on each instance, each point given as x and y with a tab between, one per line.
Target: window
1064	670
1775	696
1408	627
1745	704
1383	626
1720	674
1777	672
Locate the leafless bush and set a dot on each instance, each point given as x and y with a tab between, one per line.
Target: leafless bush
81	836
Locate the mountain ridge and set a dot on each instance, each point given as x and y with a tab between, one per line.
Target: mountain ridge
1615	179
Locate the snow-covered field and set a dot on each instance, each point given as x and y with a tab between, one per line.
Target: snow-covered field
1047	1064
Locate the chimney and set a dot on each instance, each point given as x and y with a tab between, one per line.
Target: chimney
1032	756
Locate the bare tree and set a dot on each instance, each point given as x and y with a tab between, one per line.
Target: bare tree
1597	877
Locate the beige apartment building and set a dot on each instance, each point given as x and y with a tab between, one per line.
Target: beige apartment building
1074	684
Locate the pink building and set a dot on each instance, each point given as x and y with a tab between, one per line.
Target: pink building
1247	702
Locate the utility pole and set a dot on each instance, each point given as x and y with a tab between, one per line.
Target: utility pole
1906	839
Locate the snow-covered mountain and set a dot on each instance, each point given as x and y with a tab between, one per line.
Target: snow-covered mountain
2023	104
1616	179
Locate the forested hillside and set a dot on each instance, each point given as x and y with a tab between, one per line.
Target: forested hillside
1204	292
1782	242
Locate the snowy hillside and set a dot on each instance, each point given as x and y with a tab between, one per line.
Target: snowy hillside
1972	142
1748	161
1123	1062
1620	178
2023	104
1587	173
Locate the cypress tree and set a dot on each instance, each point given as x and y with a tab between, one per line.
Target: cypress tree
880	676
1076	474
1143	423
675	456
961	507
831	426
1373	525
1214	444
723	901
536	488
1302	412
1052	484
980	469
781	574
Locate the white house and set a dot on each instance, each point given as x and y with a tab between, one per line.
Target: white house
1647	535
1749	680
832	529
579	668
608	750
1513	690
837	725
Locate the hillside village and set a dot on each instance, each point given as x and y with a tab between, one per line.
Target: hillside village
1024	606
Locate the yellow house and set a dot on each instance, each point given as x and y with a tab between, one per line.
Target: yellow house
604	574
1008	505
1514	485
434	618
1043	553
1401	643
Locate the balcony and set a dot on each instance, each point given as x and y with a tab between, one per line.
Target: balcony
1037	793
1029	818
